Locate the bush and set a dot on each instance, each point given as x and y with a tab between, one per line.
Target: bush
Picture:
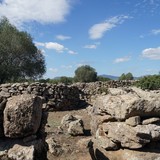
149	82
63	79
85	74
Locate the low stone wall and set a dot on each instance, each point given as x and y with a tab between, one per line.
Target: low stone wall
89	91
55	97
61	97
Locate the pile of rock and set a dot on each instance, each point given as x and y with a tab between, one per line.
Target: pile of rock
55	97
20	134
89	91
126	118
60	96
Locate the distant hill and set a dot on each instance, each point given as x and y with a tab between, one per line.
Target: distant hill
115	77
109	76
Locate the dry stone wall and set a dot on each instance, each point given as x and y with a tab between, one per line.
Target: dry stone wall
61	97
55	97
89	91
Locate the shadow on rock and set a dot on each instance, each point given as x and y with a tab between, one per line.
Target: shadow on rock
97	154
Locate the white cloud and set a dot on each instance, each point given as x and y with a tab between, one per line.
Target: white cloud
81	64
151	53
155	31
48	11
147	6
98	30
39	44
44	52
54	70
92	46
123	59
56	46
62	37
72	52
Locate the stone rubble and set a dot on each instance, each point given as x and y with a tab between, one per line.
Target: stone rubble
60	96
126	118
72	125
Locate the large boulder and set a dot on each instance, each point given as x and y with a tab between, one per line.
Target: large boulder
131	137
76	128
22	116
72	124
126	154
126	105
16	149
113	135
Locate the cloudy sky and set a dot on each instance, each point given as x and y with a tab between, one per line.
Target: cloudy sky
112	36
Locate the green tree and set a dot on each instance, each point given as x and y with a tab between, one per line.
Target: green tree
19	57
85	74
122	77
129	76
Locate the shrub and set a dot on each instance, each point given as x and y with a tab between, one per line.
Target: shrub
151	82
85	74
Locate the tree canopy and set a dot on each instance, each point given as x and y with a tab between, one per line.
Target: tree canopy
122	77
85	74
127	76
19	57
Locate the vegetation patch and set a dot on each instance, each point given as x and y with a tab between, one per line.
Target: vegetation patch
151	82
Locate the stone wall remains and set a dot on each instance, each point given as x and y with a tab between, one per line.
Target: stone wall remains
126	118
60	96
55	97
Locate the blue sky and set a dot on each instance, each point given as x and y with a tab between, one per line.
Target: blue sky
112	36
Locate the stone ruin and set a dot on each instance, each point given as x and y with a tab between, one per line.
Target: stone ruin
23	116
124	118
60	96
127	118
54	97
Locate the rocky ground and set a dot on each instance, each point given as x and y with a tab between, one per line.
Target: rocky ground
122	124
68	147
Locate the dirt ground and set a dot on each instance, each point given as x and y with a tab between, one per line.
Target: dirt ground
72	151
